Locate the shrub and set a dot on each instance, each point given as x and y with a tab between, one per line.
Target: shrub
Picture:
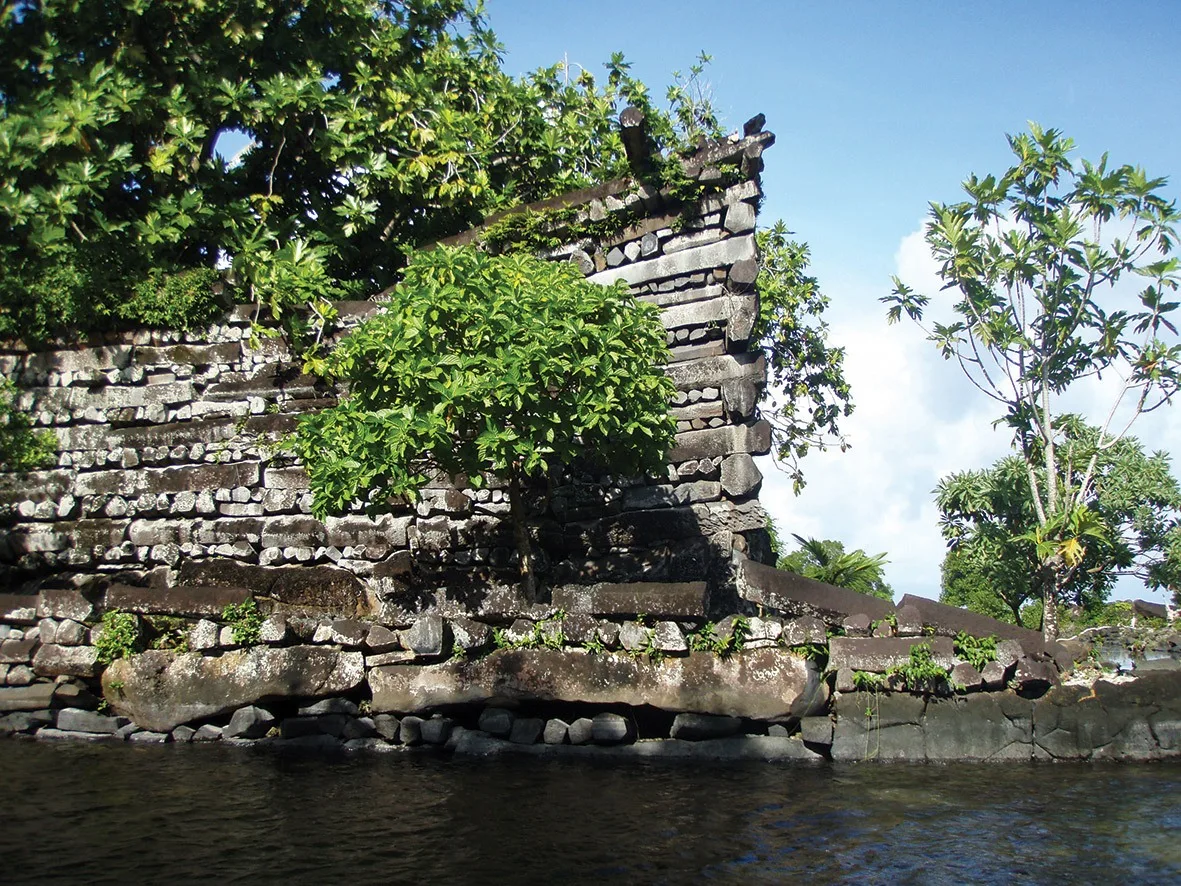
119	636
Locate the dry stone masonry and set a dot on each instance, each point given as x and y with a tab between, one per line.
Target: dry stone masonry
659	632
171	463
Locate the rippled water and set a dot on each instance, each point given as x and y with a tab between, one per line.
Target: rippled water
124	814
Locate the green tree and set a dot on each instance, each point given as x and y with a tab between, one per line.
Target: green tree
373	126
968	584
807	394
490	365
990	521
1033	259
828	561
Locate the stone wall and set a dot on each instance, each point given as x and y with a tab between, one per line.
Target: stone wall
171	471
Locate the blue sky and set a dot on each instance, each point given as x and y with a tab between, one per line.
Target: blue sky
879	109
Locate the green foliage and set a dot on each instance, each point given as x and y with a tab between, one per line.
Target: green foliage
829	562
707	639
866	681
502	365
976	651
704	639
244	621
920	673
545	634
1034	259
546	230
119	636
167	632
817	652
183	300
807	395
21	447
1130	527
971	580
373	126
595	645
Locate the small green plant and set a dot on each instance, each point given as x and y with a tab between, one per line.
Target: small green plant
866	681
500	639
595	645
655	654
707	639
739	634
21	447
550	634
704	639
169	633
365	708
817	652
920	673
976	651
119	636
244	621
184	300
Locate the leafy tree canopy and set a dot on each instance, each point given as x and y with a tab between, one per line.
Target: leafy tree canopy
501	365
828	561
1037	262
807	394
989	520
374	126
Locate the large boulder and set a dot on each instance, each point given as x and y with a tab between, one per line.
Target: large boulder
759	684
160	690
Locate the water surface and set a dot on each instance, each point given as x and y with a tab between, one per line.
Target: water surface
167	814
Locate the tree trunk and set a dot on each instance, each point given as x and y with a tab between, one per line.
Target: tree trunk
1050	572
521	534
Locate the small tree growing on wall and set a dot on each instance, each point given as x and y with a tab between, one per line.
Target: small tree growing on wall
490	365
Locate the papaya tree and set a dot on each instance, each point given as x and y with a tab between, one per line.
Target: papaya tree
485	366
1055	274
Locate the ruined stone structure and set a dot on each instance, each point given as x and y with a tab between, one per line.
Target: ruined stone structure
170	463
174	504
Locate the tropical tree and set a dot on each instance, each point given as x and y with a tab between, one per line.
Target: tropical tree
828	561
482	365
1058	274
372	126
990	522
807	394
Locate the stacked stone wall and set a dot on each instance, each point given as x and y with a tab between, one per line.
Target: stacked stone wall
170	444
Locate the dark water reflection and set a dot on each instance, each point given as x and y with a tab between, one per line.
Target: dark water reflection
123	814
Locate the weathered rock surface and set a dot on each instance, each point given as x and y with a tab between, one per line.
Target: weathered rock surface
160	690
1140	720
76	720
70	661
795	595
699	727
760	684
879	654
175	600
249	722
608	728
658	599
